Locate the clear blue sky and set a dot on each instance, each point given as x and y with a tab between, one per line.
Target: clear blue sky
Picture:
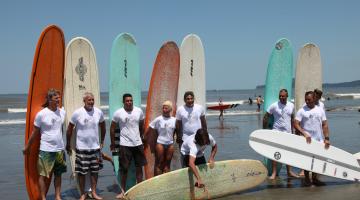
237	35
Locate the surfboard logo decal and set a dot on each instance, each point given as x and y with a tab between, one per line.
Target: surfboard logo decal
125	68
191	67
279	46
345	174
277	155
81	69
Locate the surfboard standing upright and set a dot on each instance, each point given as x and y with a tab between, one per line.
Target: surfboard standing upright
124	78
163	86
81	75
293	150
308	73
192	70
226	177
279	76
47	72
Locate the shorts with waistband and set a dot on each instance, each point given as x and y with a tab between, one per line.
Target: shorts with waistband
127	154
51	161
88	161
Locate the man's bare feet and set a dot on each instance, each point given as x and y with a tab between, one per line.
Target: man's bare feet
120	196
95	196
272	177
292	175
83	196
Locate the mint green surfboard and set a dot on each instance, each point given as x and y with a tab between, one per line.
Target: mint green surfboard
124	77
279	76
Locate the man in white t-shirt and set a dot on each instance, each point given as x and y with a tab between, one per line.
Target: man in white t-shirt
87	120
164	127
192	151
48	125
311	122
130	120
283	113
189	118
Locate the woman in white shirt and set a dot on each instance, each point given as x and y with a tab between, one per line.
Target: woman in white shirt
164	127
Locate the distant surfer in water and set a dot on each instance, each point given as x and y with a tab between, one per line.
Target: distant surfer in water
192	151
87	120
164	127
221	110
283	113
48	126
189	118
311	122
258	102
130	120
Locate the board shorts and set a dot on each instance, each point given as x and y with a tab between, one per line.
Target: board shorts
198	160
88	161
126	154
49	162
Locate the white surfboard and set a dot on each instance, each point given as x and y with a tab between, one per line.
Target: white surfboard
308	73
192	70
293	150
81	75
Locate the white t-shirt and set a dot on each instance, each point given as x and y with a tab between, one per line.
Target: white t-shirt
311	121
87	127
190	118
50	124
190	148
165	127
129	126
282	115
321	105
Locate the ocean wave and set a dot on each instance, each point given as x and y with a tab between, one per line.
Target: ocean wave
12	122
343	96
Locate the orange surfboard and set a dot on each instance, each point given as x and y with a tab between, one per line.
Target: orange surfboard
47	72
163	86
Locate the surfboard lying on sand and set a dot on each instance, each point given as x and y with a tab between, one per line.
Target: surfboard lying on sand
47	72
124	78
293	150
279	76
81	75
226	177
308	73
222	107
163	86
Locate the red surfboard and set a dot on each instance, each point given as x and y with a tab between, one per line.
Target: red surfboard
47	72
222	107
163	86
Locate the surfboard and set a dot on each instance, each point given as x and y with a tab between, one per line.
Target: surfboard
222	107
163	86
47	72
279	76
81	75
124	77
226	177
308	73
293	150
192	70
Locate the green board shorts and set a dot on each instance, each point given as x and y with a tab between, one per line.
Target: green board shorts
49	162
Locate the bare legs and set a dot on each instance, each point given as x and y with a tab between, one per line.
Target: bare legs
163	158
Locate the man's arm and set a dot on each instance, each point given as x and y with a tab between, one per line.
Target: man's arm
112	135
193	168
302	131
103	133
141	129
179	131
69	132
292	122
203	122
326	133
266	120
212	155
35	133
